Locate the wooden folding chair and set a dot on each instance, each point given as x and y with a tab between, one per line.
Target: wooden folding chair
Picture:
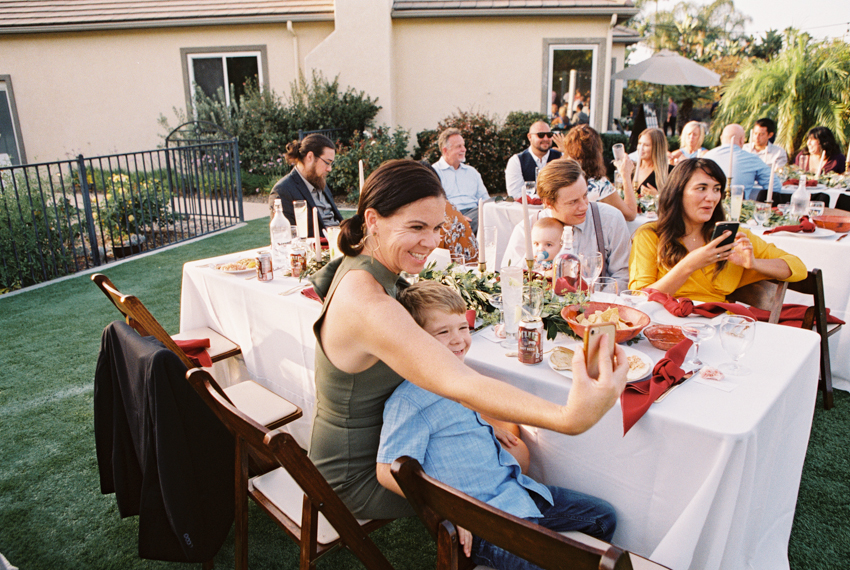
768	295
442	508
258	402
815	318
296	495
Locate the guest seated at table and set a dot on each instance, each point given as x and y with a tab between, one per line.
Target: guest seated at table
653	164
676	254
690	142
584	144
821	147
523	166
562	187
463	184
456	445
760	143
311	159
748	170
367	343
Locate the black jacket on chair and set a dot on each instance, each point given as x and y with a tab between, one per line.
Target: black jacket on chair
160	449
292	187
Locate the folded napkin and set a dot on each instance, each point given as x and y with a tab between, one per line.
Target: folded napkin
792	315
534	201
796	182
639	396
805	226
310	293
684	307
561	285
470	318
196	350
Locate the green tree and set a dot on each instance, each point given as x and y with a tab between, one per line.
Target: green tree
803	87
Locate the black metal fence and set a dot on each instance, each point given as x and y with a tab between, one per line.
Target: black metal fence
57	218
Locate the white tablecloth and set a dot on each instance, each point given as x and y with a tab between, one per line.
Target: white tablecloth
707	479
833	193
830	256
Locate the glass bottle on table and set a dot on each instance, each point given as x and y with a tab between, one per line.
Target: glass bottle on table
566	275
800	200
281	236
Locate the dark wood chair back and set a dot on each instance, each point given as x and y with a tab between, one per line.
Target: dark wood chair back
768	294
815	318
318	496
138	316
442	508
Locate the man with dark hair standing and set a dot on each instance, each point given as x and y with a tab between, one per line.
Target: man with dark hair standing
760	145
523	167
312	159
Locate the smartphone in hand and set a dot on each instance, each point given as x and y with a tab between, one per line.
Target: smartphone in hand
721	227
592	335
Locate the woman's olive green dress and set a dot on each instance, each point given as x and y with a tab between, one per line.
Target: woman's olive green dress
349	410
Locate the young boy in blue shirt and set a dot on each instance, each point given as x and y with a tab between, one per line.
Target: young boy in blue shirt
458	447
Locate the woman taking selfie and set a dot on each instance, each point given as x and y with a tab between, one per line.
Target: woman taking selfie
367	343
653	164
677	255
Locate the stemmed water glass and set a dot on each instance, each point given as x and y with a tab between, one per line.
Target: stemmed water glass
697	332
761	213
591	268
736	335
605	290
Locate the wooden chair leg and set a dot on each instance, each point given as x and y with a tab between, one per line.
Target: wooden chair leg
241	530
309	533
208	565
825	382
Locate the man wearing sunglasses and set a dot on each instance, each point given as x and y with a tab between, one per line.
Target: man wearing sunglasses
312	159
523	167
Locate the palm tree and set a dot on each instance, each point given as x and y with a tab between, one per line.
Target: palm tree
803	87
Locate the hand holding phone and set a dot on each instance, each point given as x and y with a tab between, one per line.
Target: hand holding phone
721	227
592	335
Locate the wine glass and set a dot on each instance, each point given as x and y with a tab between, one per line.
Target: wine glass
697	332
736	335
605	290
761	213
511	280
591	268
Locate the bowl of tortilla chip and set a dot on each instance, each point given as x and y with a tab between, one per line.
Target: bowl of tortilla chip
629	321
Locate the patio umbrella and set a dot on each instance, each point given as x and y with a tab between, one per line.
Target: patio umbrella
669	68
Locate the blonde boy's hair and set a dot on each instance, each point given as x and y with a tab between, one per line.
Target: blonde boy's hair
549	223
425	296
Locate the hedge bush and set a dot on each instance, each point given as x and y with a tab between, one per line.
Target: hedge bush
374	149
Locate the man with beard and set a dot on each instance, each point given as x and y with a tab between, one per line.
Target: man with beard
523	167
312	158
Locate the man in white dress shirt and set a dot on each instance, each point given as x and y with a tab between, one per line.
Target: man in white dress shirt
522	167
462	183
760	144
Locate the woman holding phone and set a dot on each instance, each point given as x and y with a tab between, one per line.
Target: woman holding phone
679	256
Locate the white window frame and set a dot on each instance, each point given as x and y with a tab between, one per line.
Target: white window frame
594	48
190	54
6	85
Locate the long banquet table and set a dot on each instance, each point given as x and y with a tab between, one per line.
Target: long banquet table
706	479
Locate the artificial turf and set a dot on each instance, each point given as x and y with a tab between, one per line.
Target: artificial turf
52	514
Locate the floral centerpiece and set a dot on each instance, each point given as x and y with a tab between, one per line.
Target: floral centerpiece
792	173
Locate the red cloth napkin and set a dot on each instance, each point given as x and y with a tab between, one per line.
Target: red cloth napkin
792	315
534	201
684	307
639	396
561	285
806	226
470	318
796	181
310	293
196	350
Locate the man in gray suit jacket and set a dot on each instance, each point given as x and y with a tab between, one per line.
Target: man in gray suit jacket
312	159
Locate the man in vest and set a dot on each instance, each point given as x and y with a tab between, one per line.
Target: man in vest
523	167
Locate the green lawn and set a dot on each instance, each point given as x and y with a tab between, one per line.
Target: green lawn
52	514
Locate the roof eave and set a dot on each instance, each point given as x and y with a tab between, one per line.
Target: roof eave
166	23
623	13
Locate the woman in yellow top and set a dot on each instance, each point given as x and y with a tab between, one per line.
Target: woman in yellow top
677	256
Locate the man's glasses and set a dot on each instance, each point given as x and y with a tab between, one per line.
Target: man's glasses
548	135
329	163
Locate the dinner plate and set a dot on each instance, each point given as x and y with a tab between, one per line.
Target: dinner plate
818	233
629	352
234	271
